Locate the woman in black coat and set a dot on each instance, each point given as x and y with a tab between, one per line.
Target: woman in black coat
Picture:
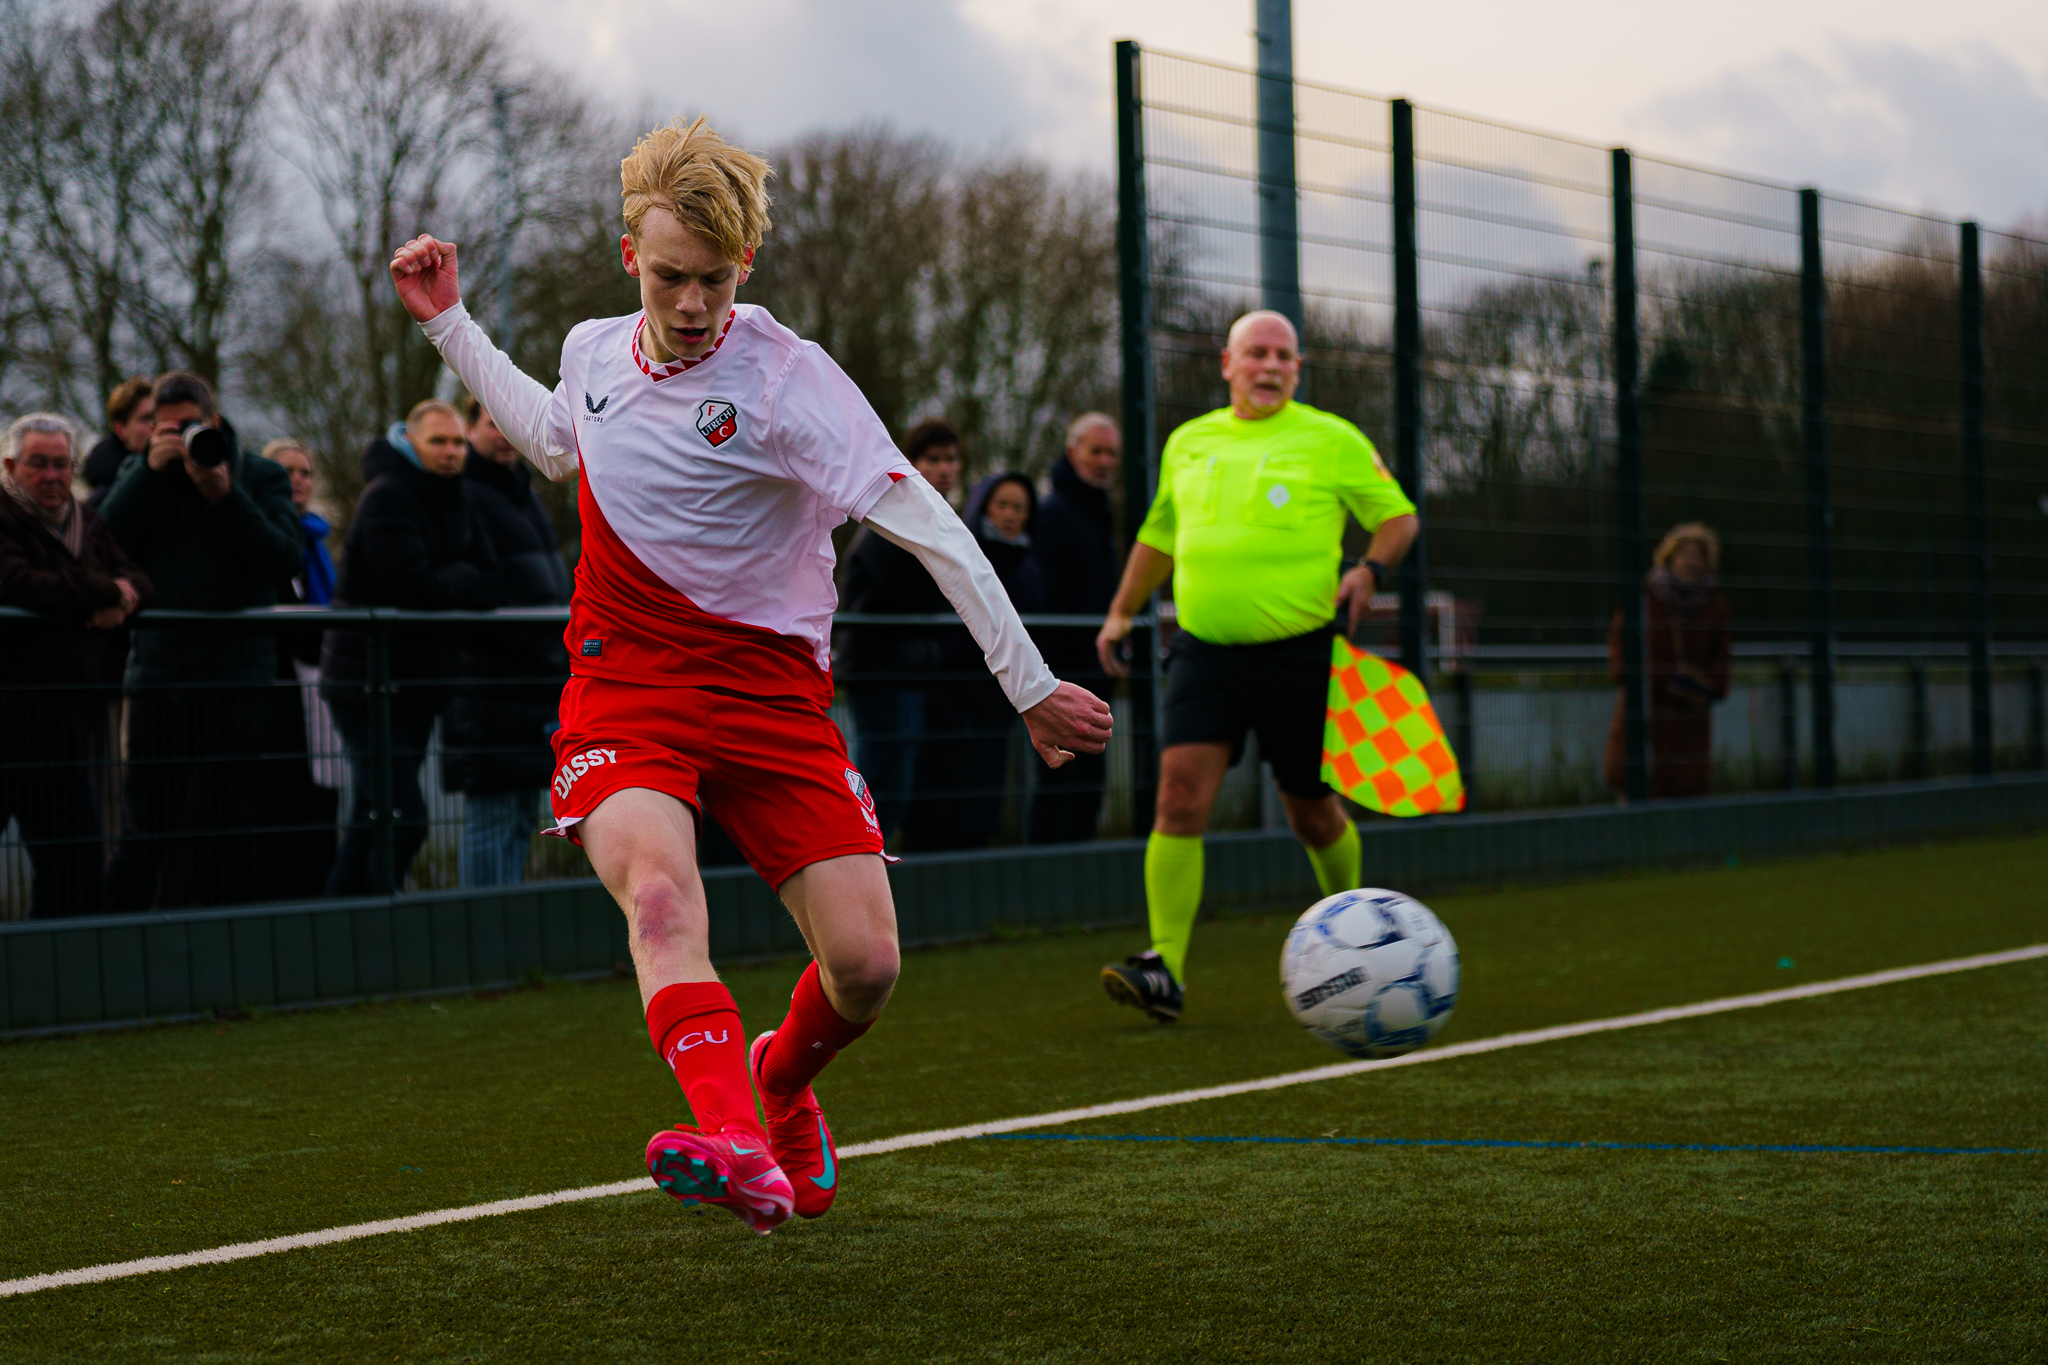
961	774
416	543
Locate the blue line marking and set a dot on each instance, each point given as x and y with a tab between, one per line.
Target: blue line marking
1796	1147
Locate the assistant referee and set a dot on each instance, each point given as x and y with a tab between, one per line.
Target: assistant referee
1249	522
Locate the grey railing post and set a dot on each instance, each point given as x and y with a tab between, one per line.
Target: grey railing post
2037	717
1628	485
1788	722
1413	576
1976	527
1820	517
1141	454
383	820
1279	214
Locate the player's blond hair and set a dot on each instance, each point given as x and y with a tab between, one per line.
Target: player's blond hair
714	189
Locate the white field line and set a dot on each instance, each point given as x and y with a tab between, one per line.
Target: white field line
243	1250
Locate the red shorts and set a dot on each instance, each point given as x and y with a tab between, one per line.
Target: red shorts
772	771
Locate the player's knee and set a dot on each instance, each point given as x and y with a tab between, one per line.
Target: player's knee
864	979
1319	825
663	914
1181	810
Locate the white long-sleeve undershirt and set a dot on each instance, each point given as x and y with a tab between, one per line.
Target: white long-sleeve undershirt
913	515
517	402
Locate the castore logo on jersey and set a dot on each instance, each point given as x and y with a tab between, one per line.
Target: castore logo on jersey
594	406
717	420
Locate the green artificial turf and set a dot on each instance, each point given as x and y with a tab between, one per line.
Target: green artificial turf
125	1145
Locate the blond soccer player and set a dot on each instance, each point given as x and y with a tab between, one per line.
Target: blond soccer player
717	451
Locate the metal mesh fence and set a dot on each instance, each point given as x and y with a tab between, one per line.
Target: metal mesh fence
1818	420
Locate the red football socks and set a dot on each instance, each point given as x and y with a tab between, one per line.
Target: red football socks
696	1030
809	1038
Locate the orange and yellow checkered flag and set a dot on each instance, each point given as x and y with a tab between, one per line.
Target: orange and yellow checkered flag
1383	746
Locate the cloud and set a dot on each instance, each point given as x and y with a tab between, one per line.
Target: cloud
774	68
1962	133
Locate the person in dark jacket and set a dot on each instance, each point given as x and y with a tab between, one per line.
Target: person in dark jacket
1074	544
212	537
496	729
57	558
887	671
131	417
416	543
313	584
1686	641
969	725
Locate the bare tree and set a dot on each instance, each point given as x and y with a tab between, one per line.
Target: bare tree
393	102
84	116
212	74
850	262
1026	309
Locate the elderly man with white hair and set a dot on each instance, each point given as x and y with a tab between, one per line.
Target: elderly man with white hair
1248	522
58	559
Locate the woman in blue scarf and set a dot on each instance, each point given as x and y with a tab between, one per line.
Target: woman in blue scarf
314	583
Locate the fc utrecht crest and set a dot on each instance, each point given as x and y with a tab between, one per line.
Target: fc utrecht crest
717	420
858	785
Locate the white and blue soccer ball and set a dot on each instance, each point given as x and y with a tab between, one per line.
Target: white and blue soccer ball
1373	973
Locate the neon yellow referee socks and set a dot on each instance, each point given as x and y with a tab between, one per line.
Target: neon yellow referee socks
1173	893
1336	866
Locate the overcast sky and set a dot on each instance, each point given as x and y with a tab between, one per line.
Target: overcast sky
1941	106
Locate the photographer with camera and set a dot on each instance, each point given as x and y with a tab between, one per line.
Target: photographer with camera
215	530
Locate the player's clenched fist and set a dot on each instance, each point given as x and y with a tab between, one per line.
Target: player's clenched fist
1072	720
424	271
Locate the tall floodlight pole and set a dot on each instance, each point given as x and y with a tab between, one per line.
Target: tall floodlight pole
1279	222
1976	521
1413	575
1141	454
1628	486
1820	586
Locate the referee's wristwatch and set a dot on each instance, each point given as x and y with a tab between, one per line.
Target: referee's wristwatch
1381	574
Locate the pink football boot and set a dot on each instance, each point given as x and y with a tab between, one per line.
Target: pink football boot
732	1170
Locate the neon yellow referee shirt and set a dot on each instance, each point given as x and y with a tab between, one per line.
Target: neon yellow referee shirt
1253	515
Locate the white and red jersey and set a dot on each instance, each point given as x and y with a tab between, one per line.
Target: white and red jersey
710	491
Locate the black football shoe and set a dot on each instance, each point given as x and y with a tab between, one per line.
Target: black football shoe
1144	982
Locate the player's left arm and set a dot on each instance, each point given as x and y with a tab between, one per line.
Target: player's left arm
1063	719
1370	493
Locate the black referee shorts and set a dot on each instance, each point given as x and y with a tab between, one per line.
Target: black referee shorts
1279	689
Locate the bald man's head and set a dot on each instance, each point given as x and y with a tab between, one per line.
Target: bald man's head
1262	364
1263	318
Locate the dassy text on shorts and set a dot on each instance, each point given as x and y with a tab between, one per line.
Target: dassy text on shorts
580	764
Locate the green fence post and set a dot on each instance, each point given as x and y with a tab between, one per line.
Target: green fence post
1628	484
1820	517
383	819
1279	213
1413	575
1141	454
1976	528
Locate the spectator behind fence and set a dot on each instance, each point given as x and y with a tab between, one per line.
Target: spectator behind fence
313	584
1074	545
495	732
416	543
887	671
1685	629
56	557
300	744
214	529
969	724
131	417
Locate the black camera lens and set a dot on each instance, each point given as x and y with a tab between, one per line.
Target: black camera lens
206	445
